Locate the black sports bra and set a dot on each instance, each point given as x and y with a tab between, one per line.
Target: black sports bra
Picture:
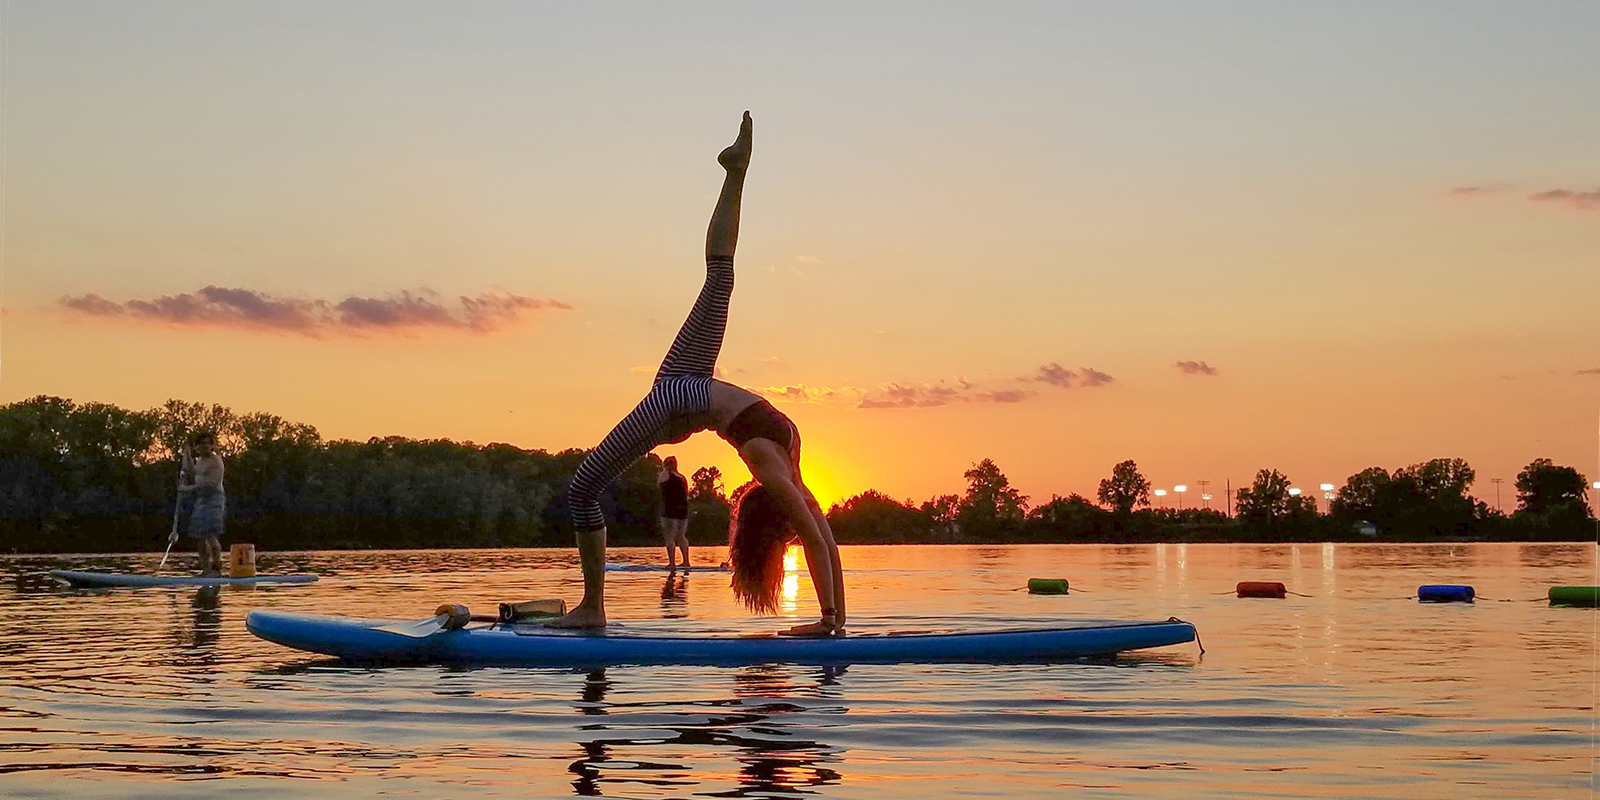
760	421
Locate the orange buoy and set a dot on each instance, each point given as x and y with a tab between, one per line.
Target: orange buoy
1261	589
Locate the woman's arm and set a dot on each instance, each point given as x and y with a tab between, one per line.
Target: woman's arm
772	468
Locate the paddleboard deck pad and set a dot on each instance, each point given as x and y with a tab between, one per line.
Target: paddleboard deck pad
105	579
615	566
360	640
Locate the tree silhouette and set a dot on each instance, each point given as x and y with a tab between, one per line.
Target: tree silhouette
990	505
1549	490
706	485
873	517
1267	504
1125	488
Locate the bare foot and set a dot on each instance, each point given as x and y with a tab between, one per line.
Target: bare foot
580	617
818	629
736	158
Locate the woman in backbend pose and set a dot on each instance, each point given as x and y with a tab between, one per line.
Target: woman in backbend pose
686	399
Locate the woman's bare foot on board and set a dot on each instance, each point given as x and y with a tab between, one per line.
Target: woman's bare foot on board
819	629
580	617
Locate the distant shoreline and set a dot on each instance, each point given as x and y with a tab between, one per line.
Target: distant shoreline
1364	542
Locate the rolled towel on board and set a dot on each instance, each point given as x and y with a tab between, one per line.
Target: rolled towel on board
532	609
1445	593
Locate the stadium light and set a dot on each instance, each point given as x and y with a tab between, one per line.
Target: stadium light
1294	492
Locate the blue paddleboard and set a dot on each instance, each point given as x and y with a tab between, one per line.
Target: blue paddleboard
361	640
102	579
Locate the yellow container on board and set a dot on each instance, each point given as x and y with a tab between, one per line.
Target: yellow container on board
242	561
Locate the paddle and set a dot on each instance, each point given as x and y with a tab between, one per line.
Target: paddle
177	506
447	617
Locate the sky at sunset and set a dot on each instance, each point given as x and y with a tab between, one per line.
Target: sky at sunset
1209	237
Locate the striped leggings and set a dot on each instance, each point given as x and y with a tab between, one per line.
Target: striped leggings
679	404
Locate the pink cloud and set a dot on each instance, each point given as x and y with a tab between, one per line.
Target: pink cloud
1577	201
1057	375
1476	191
247	309
1195	368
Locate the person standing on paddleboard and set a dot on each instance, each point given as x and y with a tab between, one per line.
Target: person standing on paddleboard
686	399
674	512
209	512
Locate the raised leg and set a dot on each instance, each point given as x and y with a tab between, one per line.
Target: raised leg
694	351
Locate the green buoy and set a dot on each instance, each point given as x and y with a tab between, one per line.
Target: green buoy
1575	596
1047	586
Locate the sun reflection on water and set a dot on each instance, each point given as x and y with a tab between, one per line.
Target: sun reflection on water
791	579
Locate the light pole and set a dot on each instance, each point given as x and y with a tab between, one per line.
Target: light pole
1180	489
1327	494
1597	498
1162	493
1205	498
1497	482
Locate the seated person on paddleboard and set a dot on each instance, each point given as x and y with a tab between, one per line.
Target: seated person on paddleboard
674	512
686	399
209	512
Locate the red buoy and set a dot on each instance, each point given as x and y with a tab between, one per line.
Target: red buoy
1261	589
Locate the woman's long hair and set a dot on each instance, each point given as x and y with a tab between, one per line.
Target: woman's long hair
757	537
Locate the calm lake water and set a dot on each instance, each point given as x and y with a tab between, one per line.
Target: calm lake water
1354	690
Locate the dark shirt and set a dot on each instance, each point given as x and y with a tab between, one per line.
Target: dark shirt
675	497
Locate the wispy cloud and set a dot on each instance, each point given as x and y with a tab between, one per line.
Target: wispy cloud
814	395
1005	396
946	392
1059	376
1595	371
1195	368
247	309
1577	201
1481	190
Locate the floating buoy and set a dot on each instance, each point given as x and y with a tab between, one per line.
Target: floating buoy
1047	586
1575	596
1261	589
1445	594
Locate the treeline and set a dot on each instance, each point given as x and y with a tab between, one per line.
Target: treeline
94	477
1420	502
